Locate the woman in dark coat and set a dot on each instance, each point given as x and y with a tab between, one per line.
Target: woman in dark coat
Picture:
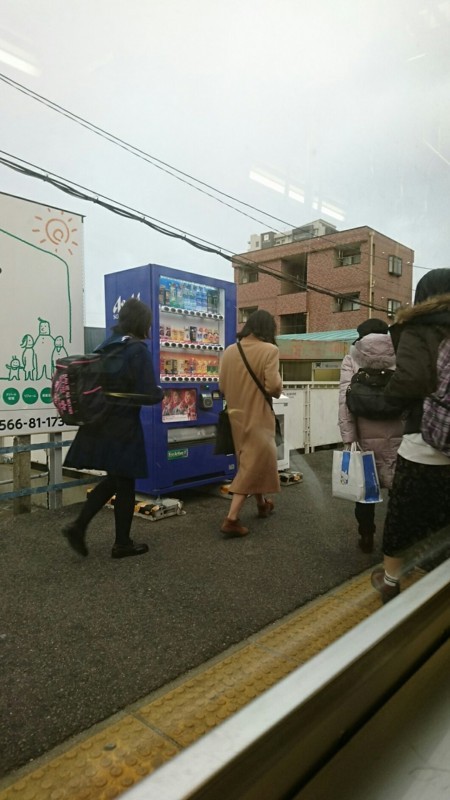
116	445
419	503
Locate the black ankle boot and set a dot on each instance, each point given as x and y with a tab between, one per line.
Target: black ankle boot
366	542
75	534
128	549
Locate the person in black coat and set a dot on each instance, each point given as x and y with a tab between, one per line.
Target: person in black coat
116	445
419	502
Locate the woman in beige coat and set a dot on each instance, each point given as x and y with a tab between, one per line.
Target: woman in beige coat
252	419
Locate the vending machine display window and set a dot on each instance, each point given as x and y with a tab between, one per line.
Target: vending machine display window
179	405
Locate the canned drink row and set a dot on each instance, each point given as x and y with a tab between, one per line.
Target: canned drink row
188	296
189	333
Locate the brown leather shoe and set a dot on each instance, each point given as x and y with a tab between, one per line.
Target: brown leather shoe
387	591
267	508
233	527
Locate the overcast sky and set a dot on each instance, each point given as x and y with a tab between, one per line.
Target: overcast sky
332	109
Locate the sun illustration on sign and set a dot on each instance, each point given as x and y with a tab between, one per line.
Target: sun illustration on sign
57	231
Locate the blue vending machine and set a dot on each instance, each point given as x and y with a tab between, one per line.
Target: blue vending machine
194	319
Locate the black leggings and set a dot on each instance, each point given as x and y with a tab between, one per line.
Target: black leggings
365	515
123	489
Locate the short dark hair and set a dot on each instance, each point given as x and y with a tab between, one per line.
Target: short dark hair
135	318
372	325
432	284
262	325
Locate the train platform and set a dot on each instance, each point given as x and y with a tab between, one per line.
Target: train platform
110	668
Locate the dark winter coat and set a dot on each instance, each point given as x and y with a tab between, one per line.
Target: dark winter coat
117	445
383	436
416	335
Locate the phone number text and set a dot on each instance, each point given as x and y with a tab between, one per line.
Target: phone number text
31	423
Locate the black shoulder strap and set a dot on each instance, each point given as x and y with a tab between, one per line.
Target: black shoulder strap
257	381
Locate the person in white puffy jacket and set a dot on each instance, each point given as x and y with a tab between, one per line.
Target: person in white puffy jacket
373	349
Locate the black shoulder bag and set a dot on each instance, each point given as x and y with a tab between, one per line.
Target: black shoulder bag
224	437
278	434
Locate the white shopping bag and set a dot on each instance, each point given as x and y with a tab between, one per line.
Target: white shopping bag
354	476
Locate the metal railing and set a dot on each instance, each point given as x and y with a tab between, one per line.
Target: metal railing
22	477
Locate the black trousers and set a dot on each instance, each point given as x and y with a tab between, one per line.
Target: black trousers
124	491
365	515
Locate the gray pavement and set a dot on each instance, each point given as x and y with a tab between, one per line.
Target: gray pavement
80	639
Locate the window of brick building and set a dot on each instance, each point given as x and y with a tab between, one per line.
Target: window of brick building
247	274
395	265
392	306
294	272
292	323
348	302
348	255
244	313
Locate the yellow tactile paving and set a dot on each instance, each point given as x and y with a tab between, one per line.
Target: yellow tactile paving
99	768
103	765
202	702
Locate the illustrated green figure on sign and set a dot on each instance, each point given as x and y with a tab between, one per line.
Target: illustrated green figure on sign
28	357
14	368
43	348
59	351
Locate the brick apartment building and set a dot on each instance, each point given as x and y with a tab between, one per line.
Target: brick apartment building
356	266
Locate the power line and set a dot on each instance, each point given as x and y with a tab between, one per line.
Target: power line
158	163
136	151
83	193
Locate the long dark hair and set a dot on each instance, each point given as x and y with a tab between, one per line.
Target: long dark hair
135	319
433	283
262	325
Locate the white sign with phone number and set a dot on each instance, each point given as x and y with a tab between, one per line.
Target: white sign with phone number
41	296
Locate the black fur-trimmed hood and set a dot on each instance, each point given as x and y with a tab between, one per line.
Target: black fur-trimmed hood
434	311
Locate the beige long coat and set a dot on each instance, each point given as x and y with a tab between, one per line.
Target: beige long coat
252	420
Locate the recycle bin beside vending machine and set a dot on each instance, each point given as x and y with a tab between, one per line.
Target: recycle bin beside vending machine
194	320
281	407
